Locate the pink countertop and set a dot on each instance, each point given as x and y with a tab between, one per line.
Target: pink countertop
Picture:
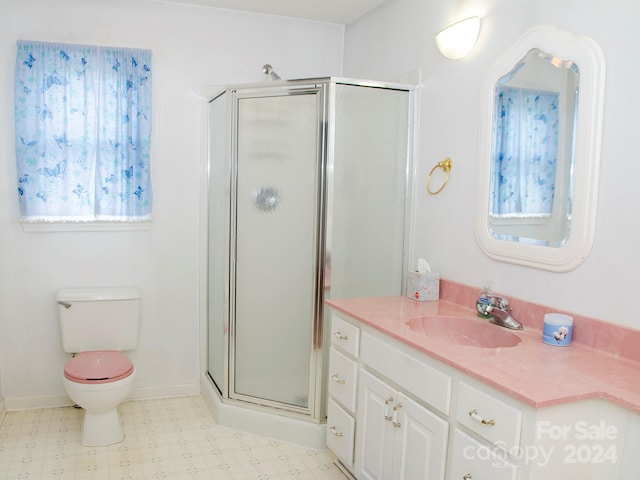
538	374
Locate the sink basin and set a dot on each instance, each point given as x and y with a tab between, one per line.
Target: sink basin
463	331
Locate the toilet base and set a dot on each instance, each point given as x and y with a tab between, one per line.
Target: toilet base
101	429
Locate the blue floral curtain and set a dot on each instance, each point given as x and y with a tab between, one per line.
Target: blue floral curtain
83	132
525	153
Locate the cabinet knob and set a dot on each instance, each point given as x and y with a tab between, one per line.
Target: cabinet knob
474	414
335	432
467	477
337	379
340	336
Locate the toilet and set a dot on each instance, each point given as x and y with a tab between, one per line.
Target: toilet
97	325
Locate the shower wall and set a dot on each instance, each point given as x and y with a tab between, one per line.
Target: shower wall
369	191
308	199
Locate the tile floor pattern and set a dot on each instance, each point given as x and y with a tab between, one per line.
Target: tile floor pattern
172	439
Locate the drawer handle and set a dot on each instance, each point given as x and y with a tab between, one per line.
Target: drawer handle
335	432
474	414
387	402
337	379
467	477
340	336
394	417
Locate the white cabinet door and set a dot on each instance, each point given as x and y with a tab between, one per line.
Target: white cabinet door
397	438
374	438
420	443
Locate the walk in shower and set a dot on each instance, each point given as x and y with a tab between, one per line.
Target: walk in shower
308	199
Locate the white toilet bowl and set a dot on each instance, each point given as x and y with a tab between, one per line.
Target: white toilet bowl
98	381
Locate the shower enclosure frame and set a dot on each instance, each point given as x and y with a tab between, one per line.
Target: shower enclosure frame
325	91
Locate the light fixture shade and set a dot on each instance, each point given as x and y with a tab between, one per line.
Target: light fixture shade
458	39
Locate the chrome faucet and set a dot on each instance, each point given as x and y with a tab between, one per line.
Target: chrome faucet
497	308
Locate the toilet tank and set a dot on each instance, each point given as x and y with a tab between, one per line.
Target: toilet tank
98	318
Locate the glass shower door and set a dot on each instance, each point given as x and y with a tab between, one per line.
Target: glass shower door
278	173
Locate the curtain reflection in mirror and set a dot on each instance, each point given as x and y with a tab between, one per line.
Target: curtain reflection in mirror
525	153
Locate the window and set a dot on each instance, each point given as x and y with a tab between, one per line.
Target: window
83	132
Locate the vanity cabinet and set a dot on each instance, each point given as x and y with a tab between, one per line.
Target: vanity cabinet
396	413
381	429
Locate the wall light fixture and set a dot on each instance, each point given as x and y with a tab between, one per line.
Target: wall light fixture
458	39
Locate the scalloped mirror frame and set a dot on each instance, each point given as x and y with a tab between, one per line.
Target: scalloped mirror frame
588	134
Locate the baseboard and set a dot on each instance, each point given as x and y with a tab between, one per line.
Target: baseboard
37	401
168	391
272	425
138	393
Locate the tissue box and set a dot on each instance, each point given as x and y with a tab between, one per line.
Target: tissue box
423	287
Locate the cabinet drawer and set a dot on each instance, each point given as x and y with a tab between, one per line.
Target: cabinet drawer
345	335
473	461
340	433
422	380
343	379
503	422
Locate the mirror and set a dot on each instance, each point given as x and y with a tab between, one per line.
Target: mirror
532	151
539	150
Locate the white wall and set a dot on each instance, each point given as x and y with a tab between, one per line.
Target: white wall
398	38
192	47
195	46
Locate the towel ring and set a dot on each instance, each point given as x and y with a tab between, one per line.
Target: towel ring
445	165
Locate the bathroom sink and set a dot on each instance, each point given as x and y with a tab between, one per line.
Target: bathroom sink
463	331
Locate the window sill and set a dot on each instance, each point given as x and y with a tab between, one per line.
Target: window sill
85	226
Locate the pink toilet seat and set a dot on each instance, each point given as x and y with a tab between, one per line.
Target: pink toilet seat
100	366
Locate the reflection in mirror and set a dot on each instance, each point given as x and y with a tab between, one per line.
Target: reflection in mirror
532	155
539	152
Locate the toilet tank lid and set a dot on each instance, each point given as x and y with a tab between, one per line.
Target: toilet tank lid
93	294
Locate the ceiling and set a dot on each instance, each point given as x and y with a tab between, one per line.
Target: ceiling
333	11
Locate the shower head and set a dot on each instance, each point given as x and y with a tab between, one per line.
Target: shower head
268	70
